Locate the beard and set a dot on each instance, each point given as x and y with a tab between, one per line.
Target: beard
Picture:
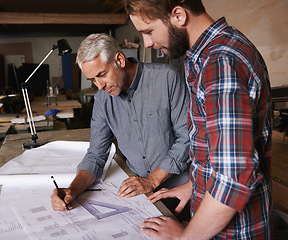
178	42
122	83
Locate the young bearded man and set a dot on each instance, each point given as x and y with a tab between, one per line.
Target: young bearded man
229	123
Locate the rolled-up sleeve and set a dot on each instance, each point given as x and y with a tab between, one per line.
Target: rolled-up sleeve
100	143
229	105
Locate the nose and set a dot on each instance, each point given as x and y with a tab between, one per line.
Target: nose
99	84
148	41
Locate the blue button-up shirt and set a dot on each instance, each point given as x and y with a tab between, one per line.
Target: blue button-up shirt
148	121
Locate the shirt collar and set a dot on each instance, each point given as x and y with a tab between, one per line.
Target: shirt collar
205	38
132	88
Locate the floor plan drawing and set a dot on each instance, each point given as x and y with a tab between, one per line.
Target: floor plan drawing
97	215
109	221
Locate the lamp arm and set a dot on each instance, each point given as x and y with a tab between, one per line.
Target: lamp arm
44	59
29	112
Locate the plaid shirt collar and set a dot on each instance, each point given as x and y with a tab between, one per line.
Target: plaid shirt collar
205	38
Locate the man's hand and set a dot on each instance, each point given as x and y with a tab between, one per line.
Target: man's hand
81	182
136	185
141	185
160	228
182	192
57	203
210	218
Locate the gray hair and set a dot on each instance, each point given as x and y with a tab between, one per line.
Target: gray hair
95	45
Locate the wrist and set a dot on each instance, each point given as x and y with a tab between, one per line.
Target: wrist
154	181
73	192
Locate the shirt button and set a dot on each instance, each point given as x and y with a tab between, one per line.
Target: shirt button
148	171
143	157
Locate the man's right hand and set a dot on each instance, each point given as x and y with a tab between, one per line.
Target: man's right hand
57	203
182	192
81	182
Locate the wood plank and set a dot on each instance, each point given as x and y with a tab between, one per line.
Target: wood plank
6	118
39	126
279	171
280	163
279	159
61	18
39	105
4	127
280	196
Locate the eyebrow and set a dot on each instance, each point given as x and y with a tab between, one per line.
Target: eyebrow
97	75
145	31
100	73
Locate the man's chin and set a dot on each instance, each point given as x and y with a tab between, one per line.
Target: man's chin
114	94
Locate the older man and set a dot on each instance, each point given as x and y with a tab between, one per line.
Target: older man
145	107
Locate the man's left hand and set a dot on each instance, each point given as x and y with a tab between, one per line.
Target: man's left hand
135	185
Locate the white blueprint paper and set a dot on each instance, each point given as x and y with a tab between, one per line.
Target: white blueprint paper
53	157
29	175
18	188
28	194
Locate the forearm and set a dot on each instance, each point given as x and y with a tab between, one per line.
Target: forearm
210	218
81	182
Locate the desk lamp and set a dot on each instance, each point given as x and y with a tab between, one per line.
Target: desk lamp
63	48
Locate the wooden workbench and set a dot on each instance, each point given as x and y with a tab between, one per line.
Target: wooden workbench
39	104
39	107
65	106
279	171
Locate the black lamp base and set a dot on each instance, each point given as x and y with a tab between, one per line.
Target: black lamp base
31	144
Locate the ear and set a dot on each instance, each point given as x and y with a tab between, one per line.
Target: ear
178	16
120	60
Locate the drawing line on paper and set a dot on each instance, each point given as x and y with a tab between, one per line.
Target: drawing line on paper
91	206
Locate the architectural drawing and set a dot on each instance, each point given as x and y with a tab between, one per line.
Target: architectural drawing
98	215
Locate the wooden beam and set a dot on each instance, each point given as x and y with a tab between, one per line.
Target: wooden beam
61	18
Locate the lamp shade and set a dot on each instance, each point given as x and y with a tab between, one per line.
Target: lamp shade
63	47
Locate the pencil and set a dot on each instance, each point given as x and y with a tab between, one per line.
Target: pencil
59	192
96	189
